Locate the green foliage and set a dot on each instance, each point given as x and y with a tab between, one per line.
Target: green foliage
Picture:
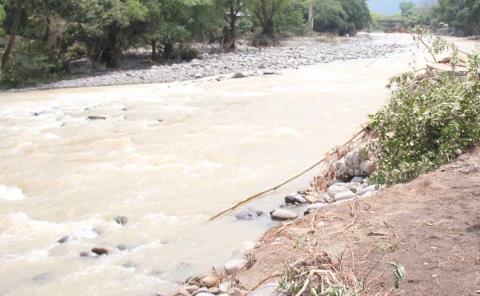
399	273
32	62
462	15
341	16
189	53
2	19
407	9
427	121
290	283
292	21
267	13
338	291
245	26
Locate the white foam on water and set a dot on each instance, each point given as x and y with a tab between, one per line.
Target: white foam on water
11	193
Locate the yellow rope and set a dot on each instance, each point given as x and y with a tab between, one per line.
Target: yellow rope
250	198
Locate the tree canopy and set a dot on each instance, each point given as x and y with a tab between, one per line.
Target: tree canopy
41	37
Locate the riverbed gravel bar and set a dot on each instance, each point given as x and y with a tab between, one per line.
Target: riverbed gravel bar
246	61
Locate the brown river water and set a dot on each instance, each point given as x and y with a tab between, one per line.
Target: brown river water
168	157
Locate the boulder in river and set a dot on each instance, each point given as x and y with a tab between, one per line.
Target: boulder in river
96	117
122	220
281	215
239	75
122	247
100	251
248	214
63	239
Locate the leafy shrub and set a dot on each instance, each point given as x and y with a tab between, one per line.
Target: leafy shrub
32	62
245	25
426	123
292	21
261	40
189	53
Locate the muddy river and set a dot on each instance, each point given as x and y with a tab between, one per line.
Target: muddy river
167	157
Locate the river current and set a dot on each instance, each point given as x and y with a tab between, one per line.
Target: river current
167	157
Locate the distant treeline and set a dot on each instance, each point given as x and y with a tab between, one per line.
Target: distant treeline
40	37
462	16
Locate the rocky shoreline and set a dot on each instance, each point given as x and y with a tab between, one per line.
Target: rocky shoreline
351	171
246	61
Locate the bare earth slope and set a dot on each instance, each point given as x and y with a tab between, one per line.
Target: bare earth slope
431	226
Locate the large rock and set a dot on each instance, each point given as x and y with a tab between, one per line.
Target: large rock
239	75
337	188
209	281
340	169
122	220
281	215
295	199
63	239
368	189
314	207
192	288
344	195
367	167
248	214
100	251
234	265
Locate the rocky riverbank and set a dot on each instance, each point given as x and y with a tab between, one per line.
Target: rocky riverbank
419	234
246	61
351	183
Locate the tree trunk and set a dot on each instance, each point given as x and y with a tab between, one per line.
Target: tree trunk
310	16
47	37
7	54
111	54
154	49
230	31
167	50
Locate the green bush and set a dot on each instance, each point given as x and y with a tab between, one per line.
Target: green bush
426	123
189	53
32	63
245	25
261	40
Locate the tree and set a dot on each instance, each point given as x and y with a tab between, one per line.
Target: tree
231	10
105	27
462	15
6	57
266	13
2	19
407	9
341	16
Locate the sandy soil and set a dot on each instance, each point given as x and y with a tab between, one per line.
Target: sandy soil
431	226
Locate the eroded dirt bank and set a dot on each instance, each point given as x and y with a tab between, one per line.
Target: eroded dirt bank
431	226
